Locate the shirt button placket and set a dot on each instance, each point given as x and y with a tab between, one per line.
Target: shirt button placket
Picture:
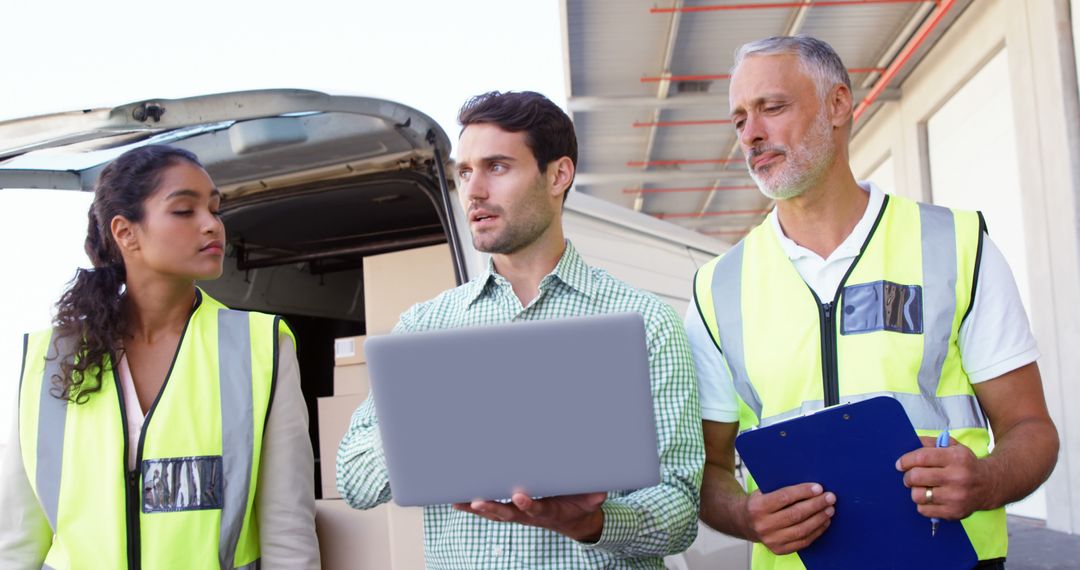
499	550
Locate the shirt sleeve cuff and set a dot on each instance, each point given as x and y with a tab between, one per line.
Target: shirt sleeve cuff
1005	366
720	415
621	525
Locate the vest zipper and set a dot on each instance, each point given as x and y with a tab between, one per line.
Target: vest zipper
830	373
134	535
830	376
134	493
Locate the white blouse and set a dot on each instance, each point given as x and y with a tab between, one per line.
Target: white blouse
133	411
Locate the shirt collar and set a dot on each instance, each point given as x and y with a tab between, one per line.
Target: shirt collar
852	243
573	271
477	286
570	269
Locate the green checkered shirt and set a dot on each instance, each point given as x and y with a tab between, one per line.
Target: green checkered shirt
640	527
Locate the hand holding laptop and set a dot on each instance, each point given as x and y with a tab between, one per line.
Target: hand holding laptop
576	516
583	427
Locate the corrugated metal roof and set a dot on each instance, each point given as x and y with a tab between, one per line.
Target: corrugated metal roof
658	146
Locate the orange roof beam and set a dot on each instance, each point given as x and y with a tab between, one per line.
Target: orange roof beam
687	189
680	162
720	76
715	213
780	5
905	54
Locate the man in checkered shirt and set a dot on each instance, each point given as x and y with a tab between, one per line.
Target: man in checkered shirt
517	155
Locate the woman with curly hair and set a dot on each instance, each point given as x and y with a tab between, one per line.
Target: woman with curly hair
157	428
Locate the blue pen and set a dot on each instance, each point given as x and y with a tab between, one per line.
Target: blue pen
942	441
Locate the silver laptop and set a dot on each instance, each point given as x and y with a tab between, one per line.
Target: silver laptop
551	407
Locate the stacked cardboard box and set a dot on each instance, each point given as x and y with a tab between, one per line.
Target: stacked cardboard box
350	366
334	415
386	537
393	282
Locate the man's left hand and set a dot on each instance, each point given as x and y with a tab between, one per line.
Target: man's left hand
957	480
576	516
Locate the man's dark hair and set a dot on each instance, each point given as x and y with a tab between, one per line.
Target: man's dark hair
549	132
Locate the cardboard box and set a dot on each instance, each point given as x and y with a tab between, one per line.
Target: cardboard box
334	415
387	537
351	379
393	282
349	350
352	539
406	537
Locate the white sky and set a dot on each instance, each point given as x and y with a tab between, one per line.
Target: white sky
63	56
430	54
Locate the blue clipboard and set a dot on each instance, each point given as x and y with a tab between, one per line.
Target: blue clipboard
851	450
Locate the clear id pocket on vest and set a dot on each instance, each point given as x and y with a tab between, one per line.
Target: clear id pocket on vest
882	306
177	484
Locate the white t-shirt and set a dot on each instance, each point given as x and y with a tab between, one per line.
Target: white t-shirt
995	338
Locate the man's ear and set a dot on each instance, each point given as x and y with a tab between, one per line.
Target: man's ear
124	234
840	105
561	173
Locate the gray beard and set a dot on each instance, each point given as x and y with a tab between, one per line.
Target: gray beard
803	165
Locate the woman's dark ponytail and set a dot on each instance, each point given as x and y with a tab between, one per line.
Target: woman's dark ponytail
90	310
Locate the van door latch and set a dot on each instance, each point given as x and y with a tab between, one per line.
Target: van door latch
148	111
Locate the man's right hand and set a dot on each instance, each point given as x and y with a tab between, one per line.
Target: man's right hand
785	520
790	518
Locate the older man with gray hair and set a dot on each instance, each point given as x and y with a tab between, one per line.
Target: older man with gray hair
806	312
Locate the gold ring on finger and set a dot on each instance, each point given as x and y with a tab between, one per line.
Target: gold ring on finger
929	495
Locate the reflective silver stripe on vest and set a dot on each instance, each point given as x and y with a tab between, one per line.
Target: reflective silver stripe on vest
926	410
939	306
727	302
237	426
52	417
252	566
954	412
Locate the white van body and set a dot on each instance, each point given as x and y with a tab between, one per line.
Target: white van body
313	184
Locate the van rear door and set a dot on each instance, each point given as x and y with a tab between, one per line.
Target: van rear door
260	146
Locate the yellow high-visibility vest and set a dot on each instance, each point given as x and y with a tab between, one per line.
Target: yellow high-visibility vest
189	503
892	329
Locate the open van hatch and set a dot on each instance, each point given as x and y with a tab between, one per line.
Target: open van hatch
306	177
